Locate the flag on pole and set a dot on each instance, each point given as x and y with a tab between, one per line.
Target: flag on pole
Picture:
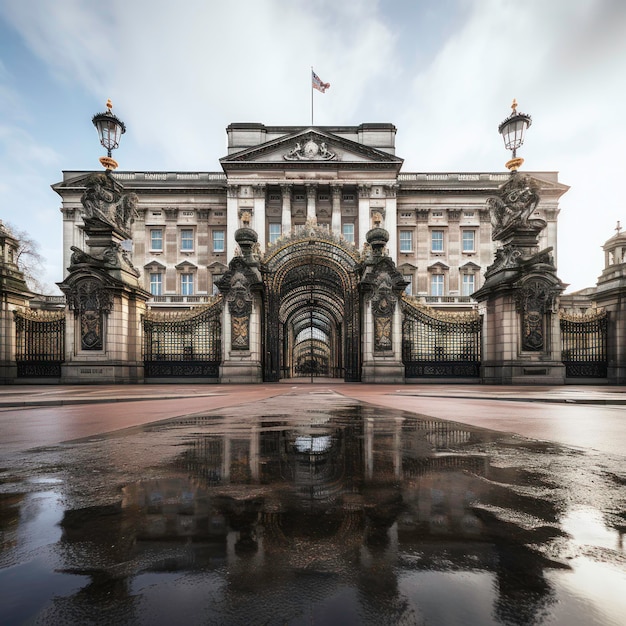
318	83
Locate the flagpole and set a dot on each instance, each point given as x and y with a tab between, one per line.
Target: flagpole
311	95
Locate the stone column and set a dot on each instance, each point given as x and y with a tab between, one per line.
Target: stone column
286	214
336	209
259	213
311	194
364	213
391	220
232	217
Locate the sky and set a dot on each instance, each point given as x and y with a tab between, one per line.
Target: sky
443	71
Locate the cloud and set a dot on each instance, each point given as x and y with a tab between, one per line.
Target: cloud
178	74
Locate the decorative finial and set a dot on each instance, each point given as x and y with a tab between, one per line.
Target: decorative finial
513	105
618	228
110	104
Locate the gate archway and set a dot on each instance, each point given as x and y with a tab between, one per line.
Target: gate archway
312	311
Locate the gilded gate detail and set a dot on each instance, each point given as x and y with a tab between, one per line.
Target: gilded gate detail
440	344
184	344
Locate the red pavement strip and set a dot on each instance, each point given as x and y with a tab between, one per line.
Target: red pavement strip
591	417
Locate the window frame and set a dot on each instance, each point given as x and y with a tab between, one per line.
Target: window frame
472	232
441	240
402	241
184	239
187	284
274	237
156	286
152	239
214	239
440	281
349	237
465	280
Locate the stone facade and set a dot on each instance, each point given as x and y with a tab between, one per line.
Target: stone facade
275	178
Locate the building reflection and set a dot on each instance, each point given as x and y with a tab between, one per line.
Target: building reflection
359	497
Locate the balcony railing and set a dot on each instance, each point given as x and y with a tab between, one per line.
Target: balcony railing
177	300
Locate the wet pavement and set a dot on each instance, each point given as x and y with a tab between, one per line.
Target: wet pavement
316	504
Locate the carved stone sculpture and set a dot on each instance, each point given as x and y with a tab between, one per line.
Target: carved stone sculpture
104	199
512	208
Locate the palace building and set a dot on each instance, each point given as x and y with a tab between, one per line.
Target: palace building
311	253
277	179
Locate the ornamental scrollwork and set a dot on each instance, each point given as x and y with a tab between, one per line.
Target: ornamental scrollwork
89	295
90	301
383	307
532	301
239	300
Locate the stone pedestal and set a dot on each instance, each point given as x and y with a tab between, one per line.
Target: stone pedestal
104	323
241	332
521	333
381	285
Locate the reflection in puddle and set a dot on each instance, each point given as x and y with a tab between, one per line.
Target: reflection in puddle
355	516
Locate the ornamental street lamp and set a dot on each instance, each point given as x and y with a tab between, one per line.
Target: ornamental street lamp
110	129
512	131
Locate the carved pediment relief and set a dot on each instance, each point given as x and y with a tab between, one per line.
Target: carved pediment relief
311	150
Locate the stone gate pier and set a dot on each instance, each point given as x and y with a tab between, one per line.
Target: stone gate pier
105	301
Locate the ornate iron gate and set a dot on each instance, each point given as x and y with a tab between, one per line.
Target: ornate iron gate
584	344
184	344
311	282
437	344
40	343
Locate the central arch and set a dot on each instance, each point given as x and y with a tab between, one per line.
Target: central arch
311	309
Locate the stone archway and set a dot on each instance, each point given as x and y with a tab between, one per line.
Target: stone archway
312	307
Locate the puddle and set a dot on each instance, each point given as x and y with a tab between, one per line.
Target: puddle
335	513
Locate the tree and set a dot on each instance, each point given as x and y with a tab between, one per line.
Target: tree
29	260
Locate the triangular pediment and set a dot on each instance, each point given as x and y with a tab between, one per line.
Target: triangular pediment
310	147
154	266
186	266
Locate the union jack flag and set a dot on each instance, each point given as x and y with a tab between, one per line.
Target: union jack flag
318	83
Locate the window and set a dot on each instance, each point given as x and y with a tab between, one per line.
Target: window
216	279
347	231
186	239
156	284
437	213
467	288
275	232
218	241
436	285
436	239
468	240
186	284
408	290
156	239
406	241
468	213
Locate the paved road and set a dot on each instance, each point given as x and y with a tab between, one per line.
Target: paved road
587	417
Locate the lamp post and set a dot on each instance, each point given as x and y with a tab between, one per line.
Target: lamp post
110	129
512	130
